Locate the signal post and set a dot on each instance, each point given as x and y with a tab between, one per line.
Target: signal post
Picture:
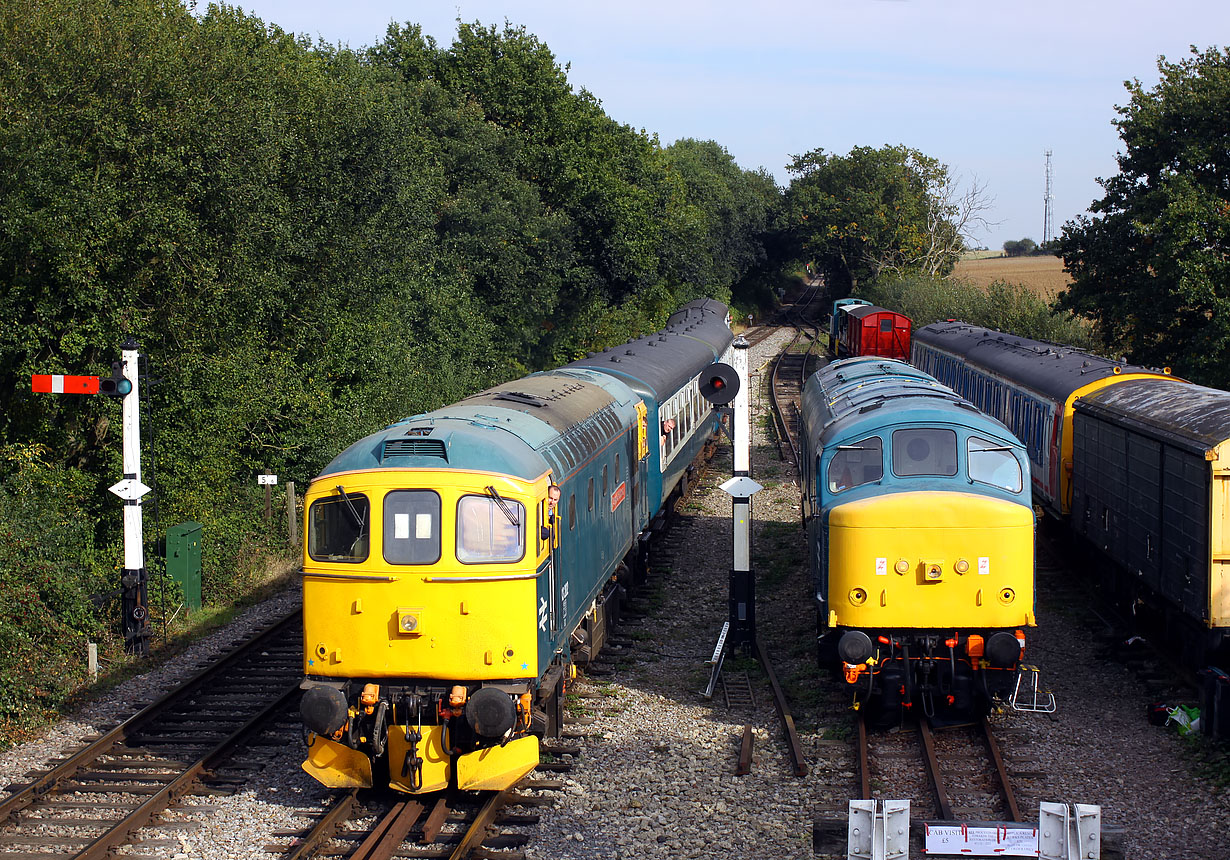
123	383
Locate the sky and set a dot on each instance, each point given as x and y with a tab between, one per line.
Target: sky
985	87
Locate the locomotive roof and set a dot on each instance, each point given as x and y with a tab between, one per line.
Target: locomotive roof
661	363
1048	368
861	311
855	396
1190	416
554	419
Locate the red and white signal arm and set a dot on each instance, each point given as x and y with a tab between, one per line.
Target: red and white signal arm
58	383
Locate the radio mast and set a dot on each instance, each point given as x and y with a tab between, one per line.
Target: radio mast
1048	200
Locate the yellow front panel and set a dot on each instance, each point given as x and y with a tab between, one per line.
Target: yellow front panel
474	630
445	620
926	534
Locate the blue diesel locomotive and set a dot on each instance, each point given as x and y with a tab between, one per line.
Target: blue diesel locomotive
459	561
920	533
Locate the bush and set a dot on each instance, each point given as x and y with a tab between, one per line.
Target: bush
1013	308
53	585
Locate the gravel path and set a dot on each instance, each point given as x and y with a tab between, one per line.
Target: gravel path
655	777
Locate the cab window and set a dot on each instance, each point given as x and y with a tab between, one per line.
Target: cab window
857	464
490	530
338	528
411	527
993	463
924	451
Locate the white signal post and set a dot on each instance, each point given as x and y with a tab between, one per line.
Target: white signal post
131	490
122	383
741	488
740	629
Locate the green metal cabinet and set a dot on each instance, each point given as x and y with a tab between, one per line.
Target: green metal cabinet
184	560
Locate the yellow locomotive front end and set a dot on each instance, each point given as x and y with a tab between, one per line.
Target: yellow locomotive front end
928	596
420	621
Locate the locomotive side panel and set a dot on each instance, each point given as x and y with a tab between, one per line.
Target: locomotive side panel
1182	560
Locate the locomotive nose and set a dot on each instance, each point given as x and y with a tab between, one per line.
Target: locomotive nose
491	713
323	710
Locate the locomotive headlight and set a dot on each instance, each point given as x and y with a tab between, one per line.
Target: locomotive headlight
1006	595
902	566
858	596
961	565
410	621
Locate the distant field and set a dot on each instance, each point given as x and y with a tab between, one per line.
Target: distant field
1043	274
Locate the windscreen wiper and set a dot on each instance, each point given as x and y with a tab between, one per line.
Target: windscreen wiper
354	512
503	506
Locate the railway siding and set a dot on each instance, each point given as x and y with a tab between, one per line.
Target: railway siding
653	774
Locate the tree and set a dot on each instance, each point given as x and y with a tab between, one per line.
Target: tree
1020	247
1151	264
874	211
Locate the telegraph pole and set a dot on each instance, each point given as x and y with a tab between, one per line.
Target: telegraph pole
1048	200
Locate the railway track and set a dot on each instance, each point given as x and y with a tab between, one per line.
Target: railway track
97	799
789	372
962	775
448	825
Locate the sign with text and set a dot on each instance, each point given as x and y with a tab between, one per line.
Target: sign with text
981	840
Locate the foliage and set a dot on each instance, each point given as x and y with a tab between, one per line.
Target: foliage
51	592
1151	265
1020	247
876	211
1013	308
307	243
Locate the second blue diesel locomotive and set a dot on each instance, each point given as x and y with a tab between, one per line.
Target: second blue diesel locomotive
920	533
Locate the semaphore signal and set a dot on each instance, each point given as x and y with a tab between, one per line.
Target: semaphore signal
121	383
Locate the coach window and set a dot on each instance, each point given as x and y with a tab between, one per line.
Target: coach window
338	528
857	464
924	451
490	528
993	463
412	527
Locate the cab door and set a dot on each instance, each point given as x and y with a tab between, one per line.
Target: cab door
547	593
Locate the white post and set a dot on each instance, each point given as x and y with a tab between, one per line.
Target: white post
134	547
741	488
133	604
741	425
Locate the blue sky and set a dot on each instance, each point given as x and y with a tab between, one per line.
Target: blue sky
985	87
